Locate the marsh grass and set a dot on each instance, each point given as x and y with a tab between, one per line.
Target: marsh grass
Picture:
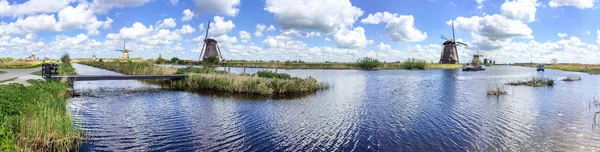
497	90
2	72
339	65
571	78
20	64
271	74
412	63
191	69
35	118
534	82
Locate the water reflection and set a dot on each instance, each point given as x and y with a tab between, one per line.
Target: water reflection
386	110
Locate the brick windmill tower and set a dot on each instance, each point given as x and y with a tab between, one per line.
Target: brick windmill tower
450	52
210	48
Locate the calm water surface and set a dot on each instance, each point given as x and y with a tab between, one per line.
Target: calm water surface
386	110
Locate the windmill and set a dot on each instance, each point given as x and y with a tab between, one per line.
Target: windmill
125	51
210	48
450	53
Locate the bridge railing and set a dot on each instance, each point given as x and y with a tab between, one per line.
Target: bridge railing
49	69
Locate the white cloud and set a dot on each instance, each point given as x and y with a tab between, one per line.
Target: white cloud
220	27
327	39
562	35
399	28
292	32
186	29
523	10
260	28
174	2
224	7
325	16
351	39
81	17
271	28
167	23
479	3
598	39
136	31
494	27
103	6
187	15
588	32
32	7
582	4
245	36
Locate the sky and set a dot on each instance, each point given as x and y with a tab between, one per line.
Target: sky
310	30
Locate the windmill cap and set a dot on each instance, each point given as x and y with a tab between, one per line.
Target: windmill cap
210	41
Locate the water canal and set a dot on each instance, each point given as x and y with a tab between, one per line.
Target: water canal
386	110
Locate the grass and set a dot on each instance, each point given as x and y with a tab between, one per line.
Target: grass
534	82
338	65
497	90
412	63
37	73
2	72
572	78
11	79
262	82
35	118
20	65
587	68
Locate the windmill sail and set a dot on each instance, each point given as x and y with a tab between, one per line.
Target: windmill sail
210	48
449	52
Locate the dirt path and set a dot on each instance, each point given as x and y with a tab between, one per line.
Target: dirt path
22	75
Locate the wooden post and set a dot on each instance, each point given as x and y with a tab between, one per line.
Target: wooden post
229	69
275	70
244	71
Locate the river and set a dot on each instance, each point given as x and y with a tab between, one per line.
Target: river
384	110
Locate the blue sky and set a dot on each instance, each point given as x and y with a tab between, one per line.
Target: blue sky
391	30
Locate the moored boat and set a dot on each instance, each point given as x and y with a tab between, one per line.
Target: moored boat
541	68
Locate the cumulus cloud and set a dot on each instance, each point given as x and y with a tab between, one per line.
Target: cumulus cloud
479	3
32	7
167	23
325	16
582	4
245	36
224	7
136	31
562	35
103	6
220	27
187	15
494	27
399	28
260	28
186	29
523	10
351	39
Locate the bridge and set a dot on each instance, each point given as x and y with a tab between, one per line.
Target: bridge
50	71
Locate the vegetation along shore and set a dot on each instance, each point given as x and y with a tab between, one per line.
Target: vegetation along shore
409	64
262	83
35	118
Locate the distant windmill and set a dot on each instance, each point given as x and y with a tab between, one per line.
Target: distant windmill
212	47
450	53
125	51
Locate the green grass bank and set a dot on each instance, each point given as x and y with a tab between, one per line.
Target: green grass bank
305	65
35	118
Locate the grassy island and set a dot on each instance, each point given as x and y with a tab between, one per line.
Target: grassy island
262	83
534	82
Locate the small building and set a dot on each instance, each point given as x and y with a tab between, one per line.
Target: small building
31	58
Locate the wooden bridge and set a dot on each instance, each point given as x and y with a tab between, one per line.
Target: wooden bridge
50	71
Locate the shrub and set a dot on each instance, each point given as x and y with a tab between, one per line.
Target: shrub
412	63
175	60
497	90
368	63
66	59
160	59
271	74
213	60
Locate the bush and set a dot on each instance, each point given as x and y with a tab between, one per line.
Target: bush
270	74
412	63
368	63
66	59
213	60
175	60
160	59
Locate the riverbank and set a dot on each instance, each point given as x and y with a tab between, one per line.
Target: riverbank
206	78
35	118
587	68
295	65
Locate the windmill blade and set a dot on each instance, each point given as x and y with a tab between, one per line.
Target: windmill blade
462	43
219	50
201	52
207	28
446	39
119	50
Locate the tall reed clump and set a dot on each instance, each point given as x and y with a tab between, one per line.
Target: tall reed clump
497	90
35	118
190	69
132	68
572	78
271	74
412	63
534	82
247	84
368	63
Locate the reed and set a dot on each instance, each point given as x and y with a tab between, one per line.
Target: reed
132	68
191	69
35	118
571	78
248	84
412	63
534	82
331	65
497	90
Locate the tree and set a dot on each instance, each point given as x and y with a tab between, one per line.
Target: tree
175	60
160	60
553	61
368	63
65	59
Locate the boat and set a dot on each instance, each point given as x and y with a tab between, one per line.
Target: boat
475	64
541	68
